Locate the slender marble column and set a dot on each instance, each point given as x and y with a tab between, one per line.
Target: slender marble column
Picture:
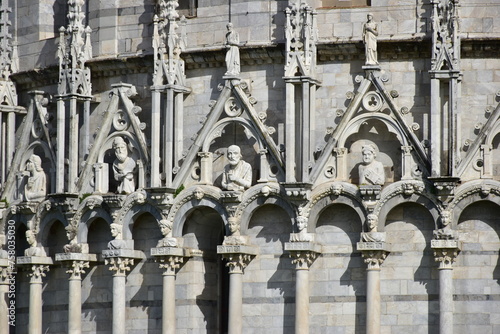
61	141
73	144
75	296
120	266
302	261
236	262
445	252
170	263
4	301
35	308
373	258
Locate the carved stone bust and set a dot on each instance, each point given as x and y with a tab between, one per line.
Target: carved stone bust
235	238
166	230
73	246
372	235
124	167
371	171
301	235
3	252
36	186
237	175
445	232
34	249
116	233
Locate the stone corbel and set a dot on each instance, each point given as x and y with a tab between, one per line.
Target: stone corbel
238	256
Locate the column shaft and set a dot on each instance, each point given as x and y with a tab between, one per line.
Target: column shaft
35	311
235	302
373	301
73	144
119	319
155	138
168	311
290	133
435	128
4	307
446	301
61	140
302	301
75	306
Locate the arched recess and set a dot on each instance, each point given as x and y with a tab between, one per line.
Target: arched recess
88	218
146	232
48	231
409	273
317	210
233	131
185	210
98	234
476	273
135	211
269	276
380	131
419	199
338	272
249	210
203	279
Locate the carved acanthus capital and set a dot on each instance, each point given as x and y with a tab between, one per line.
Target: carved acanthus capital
170	263
237	262
77	268
445	251
303	259
374	253
37	272
120	265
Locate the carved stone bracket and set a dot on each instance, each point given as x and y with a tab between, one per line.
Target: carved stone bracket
374	253
445	252
303	254
445	187
298	193
238	256
170	258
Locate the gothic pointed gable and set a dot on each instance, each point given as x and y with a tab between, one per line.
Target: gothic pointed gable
371	102
234	107
118	119
35	138
445	38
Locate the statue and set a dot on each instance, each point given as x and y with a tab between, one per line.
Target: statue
233	54
371	171
36	187
301	235
166	230
235	238
123	167
116	232
73	246
237	174
372	235
370	33
34	249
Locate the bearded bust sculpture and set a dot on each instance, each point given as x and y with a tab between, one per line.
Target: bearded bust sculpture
371	171
124	167
36	187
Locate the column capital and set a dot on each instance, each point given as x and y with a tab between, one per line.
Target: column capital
374	253
445	252
169	258
37	272
77	268
76	263
303	254
237	262
120	265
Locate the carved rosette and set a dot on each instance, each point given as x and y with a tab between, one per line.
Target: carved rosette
77	268
37	272
237	262
120	265
445	252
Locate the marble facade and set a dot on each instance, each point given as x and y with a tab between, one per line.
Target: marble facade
257	168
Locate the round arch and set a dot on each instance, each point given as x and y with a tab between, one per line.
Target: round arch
248	211
326	202
185	210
